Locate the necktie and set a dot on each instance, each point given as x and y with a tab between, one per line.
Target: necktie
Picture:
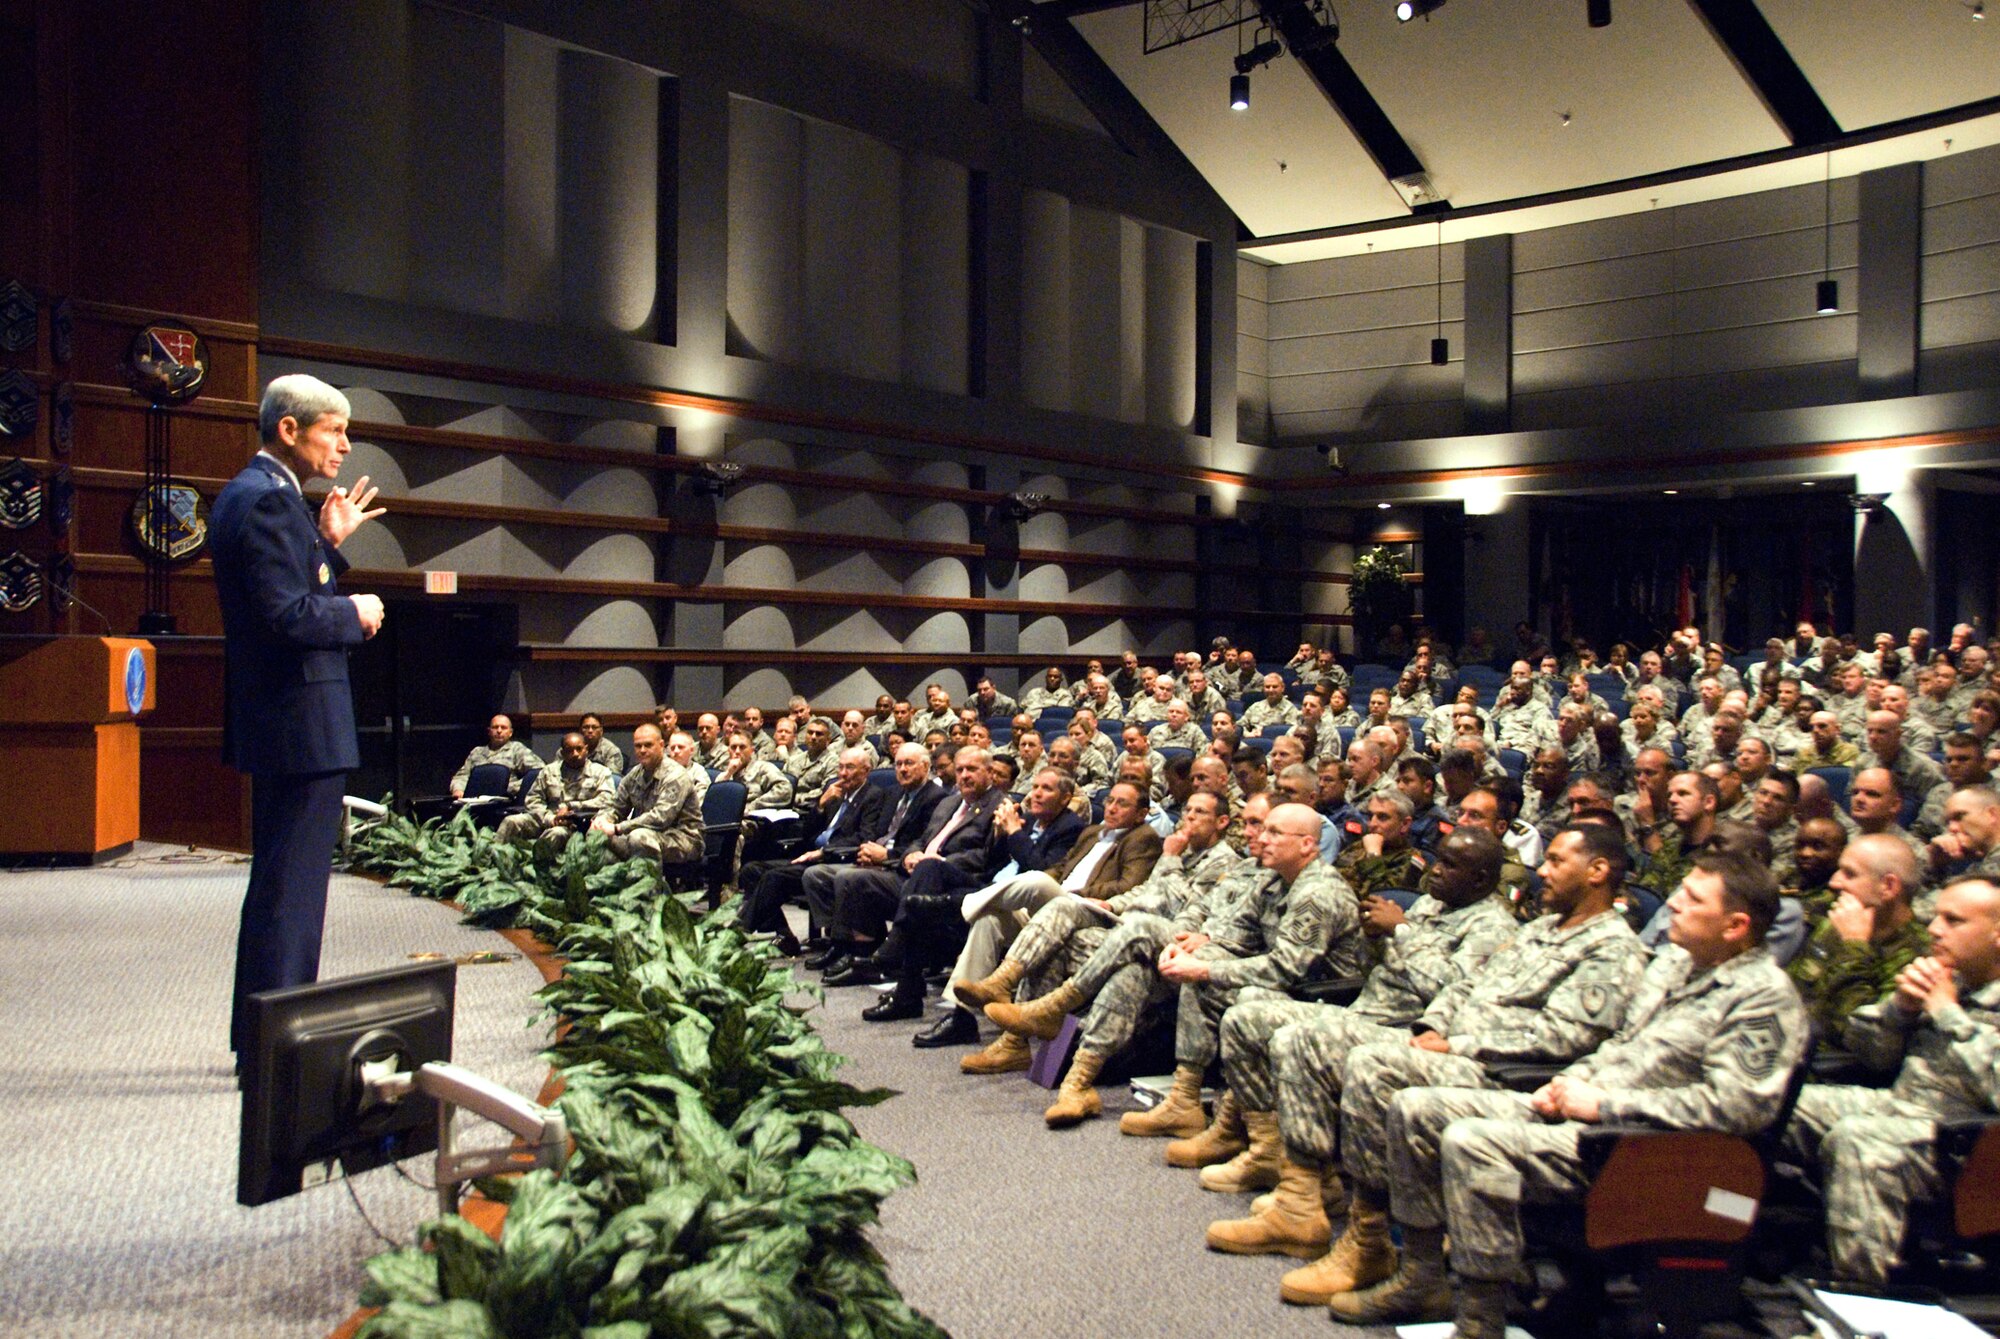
964	806
827	832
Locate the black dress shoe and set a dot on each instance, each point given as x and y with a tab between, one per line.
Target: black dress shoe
956	1028
853	972
826	957
894	1008
788	947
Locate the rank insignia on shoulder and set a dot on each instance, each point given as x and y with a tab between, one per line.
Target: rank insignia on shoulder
325	575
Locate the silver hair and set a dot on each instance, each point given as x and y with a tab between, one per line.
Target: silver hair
300	398
1395	799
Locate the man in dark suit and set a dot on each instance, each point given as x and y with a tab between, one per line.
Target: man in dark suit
917	793
927	927
863	899
290	716
851	813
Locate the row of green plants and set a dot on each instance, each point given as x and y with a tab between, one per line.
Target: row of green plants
716	1188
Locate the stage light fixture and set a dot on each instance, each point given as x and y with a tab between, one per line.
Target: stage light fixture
1598	12
1417	9
1239	92
1826	294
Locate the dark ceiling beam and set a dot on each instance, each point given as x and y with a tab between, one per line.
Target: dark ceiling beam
1343	88
1740	28
1121	114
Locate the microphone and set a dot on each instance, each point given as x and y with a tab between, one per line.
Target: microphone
68	592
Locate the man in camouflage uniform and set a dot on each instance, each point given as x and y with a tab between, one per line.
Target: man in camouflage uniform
1178	731
936	715
1915	773
568	792
1481	809
765	783
1383	859
1545	802
1773	805
654	813
1825	747
1294	922
1875	803
710	748
500	747
1691	801
811	764
1063	933
1709	1042
602	751
1941	1024
1274	708
1867	937
1554	993
1449	933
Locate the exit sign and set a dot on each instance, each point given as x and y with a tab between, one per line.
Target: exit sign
440	583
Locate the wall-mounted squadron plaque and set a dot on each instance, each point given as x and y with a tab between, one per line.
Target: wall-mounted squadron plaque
167	363
170	521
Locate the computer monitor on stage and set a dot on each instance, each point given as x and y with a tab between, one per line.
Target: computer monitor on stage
306	1097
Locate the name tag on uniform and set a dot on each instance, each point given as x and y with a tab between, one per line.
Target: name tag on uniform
325	574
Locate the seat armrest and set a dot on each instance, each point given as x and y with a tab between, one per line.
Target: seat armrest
1522	1076
1330	990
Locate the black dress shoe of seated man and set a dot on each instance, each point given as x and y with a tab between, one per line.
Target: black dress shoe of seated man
904	1004
853	972
956	1028
826	957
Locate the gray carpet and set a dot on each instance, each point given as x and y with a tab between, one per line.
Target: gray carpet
119	1193
1015	1231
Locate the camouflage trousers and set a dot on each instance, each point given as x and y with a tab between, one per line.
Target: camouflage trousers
1308	1066
655	845
1478	1157
1122	980
1876	1155
1057	942
1375	1073
521	829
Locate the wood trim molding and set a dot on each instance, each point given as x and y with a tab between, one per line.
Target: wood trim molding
208	327
730	408
1681	462
412	435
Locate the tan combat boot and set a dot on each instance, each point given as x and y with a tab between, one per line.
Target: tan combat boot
1296	1223
1008	1054
1332	1198
1419	1290
1222	1140
1037	1018
1256	1167
1361	1258
1077	1100
995	989
1179	1113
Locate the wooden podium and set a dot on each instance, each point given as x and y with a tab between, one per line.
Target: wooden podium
69	737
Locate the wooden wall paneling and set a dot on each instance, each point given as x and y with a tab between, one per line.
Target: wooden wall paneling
165	156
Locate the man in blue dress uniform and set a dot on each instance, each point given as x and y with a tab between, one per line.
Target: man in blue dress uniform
290	716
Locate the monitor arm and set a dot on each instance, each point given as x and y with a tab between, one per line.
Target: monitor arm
543	1130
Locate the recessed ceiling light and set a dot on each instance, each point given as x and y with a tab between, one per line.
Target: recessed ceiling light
1809	483
1670	492
1381	506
